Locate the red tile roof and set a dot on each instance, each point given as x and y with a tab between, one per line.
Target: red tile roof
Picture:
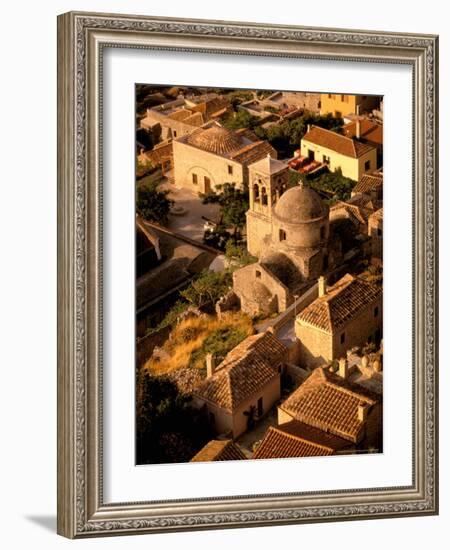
296	439
368	182
218	450
369	131
343	301
330	403
336	142
249	367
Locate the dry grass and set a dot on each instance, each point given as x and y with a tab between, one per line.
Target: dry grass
188	337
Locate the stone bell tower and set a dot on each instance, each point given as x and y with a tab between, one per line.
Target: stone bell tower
268	180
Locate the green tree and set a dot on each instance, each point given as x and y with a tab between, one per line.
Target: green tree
207	288
333	184
168	429
241	119
233	202
151	203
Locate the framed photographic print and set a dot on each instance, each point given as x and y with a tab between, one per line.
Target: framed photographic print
247	282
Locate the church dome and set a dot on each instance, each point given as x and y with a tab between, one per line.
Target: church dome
215	139
300	204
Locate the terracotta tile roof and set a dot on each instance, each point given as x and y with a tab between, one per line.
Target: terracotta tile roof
369	131
336	142
160	154
296	439
378	215
368	182
342	302
253	151
265	344
217	450
245	370
330	403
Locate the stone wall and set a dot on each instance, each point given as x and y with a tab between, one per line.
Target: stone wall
244	281
258	227
146	344
358	330
190	160
316	346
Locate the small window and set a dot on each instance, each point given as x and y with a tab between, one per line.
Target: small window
379	231
342	337
174	133
230	169
375	311
256	192
367	165
258	274
260	406
342	98
264	196
194	179
282	235
329	96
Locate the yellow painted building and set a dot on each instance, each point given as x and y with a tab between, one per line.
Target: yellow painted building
341	105
353	157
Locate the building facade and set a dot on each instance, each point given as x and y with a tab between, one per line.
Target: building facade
213	155
245	386
341	105
351	156
345	315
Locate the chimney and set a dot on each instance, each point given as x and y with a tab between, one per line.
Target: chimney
358	109
210	365
343	368
358	128
308	128
322	286
363	409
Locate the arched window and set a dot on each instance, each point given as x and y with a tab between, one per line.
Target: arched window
263	196
256	192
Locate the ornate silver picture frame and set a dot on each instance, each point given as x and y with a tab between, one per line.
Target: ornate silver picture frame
82	511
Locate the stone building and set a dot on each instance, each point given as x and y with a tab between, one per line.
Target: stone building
183	115
370	184
330	403
245	385
288	231
341	105
375	231
213	155
351	156
345	315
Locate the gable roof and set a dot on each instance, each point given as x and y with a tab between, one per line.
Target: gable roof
369	130
247	368
330	403
343	301
336	142
296	439
368	182
218	450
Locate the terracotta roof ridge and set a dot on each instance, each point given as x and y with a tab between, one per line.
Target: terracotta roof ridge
298	437
353	393
333	132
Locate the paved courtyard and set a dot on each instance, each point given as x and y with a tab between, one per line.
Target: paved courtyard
189	221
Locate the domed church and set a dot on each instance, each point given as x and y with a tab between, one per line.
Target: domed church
288	230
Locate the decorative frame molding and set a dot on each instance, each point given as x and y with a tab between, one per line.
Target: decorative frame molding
81	38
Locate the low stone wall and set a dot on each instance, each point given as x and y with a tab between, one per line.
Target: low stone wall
146	344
